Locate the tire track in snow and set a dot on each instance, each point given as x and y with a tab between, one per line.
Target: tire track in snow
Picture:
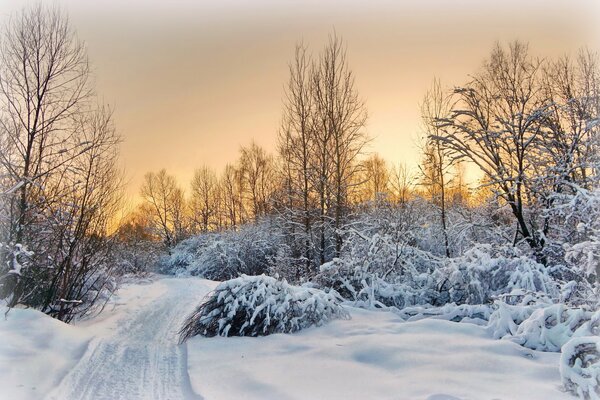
141	359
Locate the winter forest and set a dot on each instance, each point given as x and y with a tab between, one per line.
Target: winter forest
298	268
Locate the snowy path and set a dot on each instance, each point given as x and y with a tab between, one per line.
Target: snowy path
137	357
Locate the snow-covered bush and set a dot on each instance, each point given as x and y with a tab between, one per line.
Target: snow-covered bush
484	273
506	318
382	271
367	285
253	249
182	258
580	239
548	329
261	305
381	262
580	367
477	314
591	327
579	292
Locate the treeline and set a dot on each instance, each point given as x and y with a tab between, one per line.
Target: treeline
528	126
320	176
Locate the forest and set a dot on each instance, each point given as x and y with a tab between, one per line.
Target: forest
498	224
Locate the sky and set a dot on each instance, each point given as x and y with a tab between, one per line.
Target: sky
192	81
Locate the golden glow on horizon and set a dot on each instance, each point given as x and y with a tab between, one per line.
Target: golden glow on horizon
192	81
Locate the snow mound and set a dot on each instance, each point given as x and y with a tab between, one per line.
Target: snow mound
580	366
261	305
35	352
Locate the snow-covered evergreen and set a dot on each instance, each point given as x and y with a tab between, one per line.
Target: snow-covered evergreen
261	305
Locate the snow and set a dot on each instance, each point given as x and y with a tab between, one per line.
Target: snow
35	352
130	351
373	355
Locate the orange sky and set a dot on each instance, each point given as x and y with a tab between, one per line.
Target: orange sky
191	81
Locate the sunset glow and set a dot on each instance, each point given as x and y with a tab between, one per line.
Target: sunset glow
193	81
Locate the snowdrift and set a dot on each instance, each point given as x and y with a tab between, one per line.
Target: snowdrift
35	352
259	306
375	355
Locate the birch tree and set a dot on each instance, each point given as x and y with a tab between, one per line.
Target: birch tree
340	117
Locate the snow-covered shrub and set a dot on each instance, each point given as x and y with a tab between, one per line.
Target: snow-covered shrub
380	264
484	273
182	259
580	215
548	329
506	318
580	292
381	270
580	366
591	327
253	249
261	305
477	314
367	285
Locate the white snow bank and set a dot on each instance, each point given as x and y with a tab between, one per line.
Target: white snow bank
36	351
373	356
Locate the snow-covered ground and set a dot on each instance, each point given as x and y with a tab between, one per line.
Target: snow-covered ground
130	352
36	351
373	356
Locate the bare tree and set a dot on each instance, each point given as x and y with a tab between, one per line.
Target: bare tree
573	90
296	146
495	123
80	247
165	201
43	87
257	169
401	183
60	183
436	162
459	190
138	248
567	161
340	118
232	205
204	202
376	178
